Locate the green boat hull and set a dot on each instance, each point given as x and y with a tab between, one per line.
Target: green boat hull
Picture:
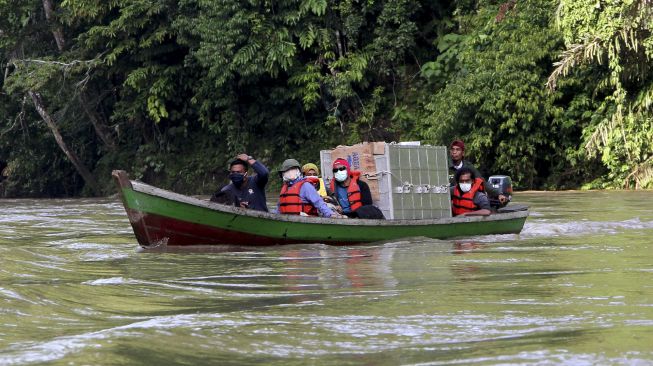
161	217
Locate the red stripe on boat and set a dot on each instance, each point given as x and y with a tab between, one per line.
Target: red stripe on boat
154	229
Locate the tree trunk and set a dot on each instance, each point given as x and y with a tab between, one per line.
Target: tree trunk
57	32
339	43
100	127
81	168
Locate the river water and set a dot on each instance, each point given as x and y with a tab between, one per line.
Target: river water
575	287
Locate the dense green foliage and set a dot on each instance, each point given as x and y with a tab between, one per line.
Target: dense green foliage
171	89
614	41
489	81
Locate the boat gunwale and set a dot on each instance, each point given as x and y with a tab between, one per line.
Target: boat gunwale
169	195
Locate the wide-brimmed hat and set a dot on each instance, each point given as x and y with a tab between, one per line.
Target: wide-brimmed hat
289	164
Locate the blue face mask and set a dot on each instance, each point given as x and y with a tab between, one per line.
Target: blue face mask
237	179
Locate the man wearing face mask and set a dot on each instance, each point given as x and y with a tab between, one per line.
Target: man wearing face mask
468	197
352	193
248	191
297	197
457	154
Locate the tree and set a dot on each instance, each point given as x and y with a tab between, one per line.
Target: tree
488	88
30	28
171	89
614	40
328	67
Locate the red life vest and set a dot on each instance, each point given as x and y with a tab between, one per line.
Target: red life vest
291	203
315	181
353	191
464	202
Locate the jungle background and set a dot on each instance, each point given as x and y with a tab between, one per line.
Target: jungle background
557	94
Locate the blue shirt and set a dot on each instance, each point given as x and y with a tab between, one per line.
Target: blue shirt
343	199
308	194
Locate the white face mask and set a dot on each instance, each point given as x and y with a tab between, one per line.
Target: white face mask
290	175
340	175
465	187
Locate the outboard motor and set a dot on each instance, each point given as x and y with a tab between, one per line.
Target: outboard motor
503	184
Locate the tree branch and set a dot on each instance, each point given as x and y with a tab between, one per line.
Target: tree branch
575	54
49	121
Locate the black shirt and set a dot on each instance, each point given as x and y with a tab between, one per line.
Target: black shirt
252	192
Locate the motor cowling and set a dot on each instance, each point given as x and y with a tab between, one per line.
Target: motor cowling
503	184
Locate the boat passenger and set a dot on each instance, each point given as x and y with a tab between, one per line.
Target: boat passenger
468	197
457	154
312	173
297	197
248	191
352	194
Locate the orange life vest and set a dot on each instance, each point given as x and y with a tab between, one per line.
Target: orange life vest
464	202
353	191
291	203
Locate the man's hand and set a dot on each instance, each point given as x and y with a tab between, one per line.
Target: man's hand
243	157
244	204
503	199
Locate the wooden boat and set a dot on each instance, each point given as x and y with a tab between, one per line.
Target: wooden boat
161	217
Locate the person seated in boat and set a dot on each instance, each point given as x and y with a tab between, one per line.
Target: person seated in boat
352	194
457	154
248	191
312	174
468	196
298	196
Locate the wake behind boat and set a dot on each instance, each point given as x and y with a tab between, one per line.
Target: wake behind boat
161	217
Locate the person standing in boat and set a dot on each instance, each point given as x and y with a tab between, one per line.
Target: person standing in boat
458	161
248	191
468	197
312	174
297	197
352	194
457	154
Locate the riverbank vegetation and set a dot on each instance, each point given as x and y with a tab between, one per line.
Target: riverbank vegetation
557	94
